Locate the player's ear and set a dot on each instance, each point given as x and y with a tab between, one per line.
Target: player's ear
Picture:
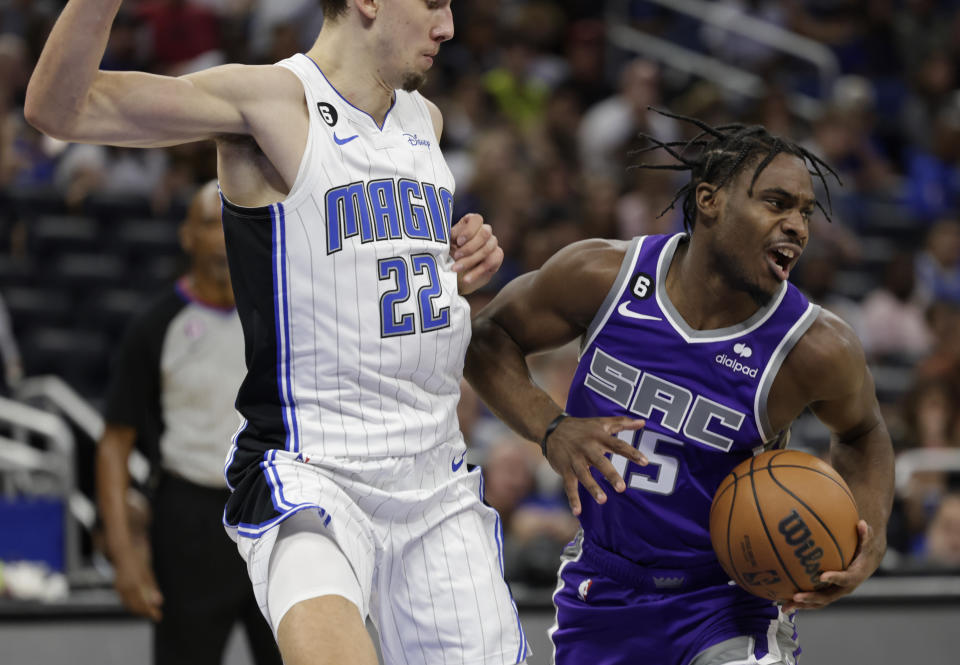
708	198
367	8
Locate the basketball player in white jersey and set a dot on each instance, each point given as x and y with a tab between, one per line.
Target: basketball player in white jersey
350	495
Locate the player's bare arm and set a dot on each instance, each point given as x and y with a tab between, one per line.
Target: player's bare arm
830	371
539	311
68	97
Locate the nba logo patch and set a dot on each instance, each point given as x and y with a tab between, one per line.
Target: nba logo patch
584	588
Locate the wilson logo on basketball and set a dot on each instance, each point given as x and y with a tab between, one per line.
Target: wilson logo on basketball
798	535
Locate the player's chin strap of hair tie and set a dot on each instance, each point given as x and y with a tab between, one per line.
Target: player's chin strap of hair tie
552	426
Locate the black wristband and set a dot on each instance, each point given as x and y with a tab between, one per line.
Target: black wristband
552	426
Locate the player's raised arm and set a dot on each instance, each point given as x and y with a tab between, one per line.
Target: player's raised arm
68	97
538	311
861	449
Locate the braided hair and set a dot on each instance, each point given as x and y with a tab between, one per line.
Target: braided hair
718	154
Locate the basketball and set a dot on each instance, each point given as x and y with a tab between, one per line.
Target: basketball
780	519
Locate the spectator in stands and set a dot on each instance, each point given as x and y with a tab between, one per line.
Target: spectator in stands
85	170
269	19
933	187
126	48
26	156
185	36
931	414
840	136
609	126
585	48
518	93
938	265
554	138
816	275
175	379
922	27
942	546
894	322
931	83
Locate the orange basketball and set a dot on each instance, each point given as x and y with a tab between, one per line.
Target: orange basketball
780	519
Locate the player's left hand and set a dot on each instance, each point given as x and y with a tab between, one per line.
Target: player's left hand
476	252
843	582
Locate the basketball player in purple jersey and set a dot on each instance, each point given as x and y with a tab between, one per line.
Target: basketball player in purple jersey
695	353
350	497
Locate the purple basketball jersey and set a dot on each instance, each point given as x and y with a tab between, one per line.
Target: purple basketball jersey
641	583
703	394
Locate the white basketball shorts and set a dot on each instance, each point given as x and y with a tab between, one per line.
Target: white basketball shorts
425	550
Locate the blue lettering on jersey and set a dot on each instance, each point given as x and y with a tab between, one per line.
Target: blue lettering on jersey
348	205
699	418
414	215
383	202
387	210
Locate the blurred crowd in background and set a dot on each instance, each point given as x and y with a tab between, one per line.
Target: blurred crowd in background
542	120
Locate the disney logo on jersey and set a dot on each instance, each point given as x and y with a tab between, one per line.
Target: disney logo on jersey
415	141
735	365
387	209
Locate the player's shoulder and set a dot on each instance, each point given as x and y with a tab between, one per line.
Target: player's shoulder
267	82
436	117
586	267
829	355
276	79
591	255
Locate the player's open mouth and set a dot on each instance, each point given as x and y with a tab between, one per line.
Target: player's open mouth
781	258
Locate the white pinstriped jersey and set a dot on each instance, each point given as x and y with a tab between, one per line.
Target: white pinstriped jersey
360	347
355	337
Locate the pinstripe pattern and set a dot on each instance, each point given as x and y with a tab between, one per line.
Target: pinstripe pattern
356	423
426	550
347	390
284	357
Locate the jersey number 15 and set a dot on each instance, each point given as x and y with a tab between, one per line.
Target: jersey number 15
664	467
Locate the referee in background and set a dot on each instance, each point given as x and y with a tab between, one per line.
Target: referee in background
171	394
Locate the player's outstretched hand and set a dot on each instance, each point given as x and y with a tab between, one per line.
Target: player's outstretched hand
476	252
842	582
137	587
580	443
